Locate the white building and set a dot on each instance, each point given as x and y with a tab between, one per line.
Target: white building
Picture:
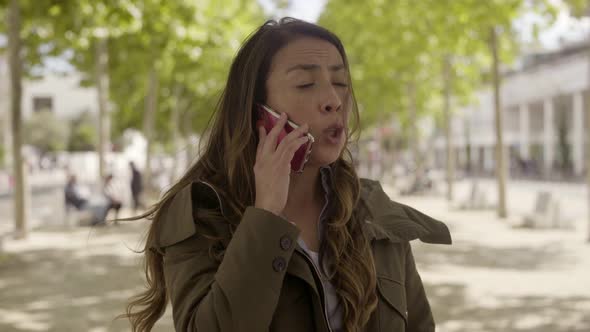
546	97
60	94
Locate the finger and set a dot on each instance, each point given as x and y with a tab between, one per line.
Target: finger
270	144
261	139
293	136
290	150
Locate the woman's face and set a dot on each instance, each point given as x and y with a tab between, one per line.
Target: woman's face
308	81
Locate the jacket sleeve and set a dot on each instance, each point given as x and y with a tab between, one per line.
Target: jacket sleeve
240	293
420	317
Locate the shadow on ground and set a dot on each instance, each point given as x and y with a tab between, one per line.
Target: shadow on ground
454	312
61	290
85	288
473	255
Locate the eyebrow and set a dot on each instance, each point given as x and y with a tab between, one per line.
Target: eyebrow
313	67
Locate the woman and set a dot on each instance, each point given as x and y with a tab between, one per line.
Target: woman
241	243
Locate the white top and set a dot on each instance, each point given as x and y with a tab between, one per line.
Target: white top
114	189
333	307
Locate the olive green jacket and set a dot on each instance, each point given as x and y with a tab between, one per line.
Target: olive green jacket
266	282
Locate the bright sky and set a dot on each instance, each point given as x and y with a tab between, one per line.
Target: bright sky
565	28
307	10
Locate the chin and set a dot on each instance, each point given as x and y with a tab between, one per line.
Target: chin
324	158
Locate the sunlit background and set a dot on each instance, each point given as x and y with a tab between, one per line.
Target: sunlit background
474	112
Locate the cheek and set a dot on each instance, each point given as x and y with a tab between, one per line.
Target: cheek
346	111
299	108
346	98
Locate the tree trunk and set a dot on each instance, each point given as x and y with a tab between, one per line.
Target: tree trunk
189	156
191	148
587	110
414	136
468	153
148	121
175	129
448	130
391	155
7	134
500	160
18	163
102	85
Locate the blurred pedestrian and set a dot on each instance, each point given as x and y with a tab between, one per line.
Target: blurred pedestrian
113	193
94	208
245	241
136	187
73	197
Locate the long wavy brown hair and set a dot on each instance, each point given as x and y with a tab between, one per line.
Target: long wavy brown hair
227	161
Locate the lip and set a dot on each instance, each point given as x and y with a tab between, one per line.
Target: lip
334	127
334	133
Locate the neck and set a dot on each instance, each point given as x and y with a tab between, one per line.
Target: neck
305	189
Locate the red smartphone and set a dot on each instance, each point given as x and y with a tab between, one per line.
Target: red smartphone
268	118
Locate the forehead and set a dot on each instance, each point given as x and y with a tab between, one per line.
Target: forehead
306	50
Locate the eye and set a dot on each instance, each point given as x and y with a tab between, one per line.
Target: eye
340	84
305	86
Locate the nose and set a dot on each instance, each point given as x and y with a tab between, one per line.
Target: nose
331	102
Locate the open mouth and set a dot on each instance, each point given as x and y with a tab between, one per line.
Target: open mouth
335	133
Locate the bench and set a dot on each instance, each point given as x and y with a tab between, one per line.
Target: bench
546	213
93	212
476	200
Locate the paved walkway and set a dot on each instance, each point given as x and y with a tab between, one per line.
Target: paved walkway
494	277
499	278
74	280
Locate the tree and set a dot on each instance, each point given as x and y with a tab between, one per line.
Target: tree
138	53
403	42
180	59
501	168
450	156
15	67
125	47
564	151
46	132
87	28
83	134
31	39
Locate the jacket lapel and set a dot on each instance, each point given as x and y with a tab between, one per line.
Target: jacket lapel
386	219
298	267
382	218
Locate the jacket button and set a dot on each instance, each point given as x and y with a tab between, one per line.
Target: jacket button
286	243
279	264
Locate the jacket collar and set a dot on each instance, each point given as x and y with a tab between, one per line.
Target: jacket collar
385	219
382	218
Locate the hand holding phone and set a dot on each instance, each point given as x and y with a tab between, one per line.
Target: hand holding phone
268	118
273	164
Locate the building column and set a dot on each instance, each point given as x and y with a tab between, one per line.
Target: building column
490	158
548	134
524	132
475	158
578	133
